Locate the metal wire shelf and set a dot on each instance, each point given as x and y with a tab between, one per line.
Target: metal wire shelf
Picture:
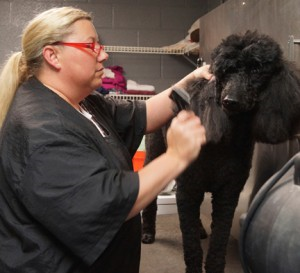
149	50
129	97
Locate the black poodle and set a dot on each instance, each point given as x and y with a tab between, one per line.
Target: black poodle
255	98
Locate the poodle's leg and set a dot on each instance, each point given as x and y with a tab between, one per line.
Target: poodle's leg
149	220
189	215
203	233
155	146
223	207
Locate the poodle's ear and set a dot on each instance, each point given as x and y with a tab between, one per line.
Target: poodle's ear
215	122
204	104
279	107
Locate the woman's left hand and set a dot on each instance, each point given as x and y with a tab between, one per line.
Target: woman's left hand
202	72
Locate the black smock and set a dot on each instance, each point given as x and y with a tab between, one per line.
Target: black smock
65	190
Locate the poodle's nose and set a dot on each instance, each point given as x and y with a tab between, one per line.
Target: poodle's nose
230	103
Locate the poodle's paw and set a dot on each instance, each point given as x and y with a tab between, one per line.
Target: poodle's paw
148	238
193	270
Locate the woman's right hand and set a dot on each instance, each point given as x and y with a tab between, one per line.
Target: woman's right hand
185	137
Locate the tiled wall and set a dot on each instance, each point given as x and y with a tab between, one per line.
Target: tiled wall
121	22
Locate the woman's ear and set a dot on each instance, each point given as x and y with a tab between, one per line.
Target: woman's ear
51	56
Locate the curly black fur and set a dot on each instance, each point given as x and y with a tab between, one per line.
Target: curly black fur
255	98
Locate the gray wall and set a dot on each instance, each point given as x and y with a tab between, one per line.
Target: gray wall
277	18
123	23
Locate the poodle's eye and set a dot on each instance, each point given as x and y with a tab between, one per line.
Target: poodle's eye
255	70
229	70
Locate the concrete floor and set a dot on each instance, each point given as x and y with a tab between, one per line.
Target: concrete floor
166	256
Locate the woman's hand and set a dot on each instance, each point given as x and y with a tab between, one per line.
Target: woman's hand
185	137
202	72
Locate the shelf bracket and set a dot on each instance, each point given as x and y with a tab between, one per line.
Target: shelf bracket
190	60
291	47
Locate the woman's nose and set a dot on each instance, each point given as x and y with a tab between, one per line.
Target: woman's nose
102	56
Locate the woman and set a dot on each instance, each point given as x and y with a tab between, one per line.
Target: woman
69	199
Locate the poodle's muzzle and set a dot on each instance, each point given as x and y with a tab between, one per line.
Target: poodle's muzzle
236	96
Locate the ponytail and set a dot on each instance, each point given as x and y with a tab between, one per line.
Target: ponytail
11	76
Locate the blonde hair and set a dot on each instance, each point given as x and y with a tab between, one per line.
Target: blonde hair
46	28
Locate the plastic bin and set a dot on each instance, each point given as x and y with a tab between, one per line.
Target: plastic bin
138	160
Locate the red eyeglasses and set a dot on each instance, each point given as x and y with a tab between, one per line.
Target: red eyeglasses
95	46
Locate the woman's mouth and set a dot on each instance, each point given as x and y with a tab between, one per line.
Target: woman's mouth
100	70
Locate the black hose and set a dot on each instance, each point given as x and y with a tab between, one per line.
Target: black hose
260	196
